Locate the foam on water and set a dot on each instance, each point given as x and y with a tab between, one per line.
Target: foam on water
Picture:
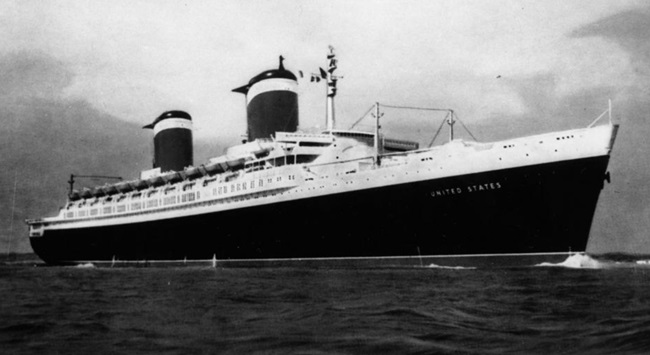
584	261
578	261
86	265
435	266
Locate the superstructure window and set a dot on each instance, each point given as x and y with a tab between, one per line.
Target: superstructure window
188	197
313	144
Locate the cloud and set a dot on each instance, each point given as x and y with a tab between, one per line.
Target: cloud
35	75
131	58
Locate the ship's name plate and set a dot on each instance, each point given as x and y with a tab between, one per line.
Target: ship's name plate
466	189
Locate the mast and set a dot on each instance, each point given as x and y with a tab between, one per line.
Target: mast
331	88
377	116
451	123
331	79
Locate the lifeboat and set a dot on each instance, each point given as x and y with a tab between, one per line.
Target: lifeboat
86	193
109	190
138	184
97	191
235	162
74	195
217	165
155	181
192	172
124	187
172	177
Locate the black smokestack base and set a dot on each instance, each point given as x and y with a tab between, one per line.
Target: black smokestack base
173	146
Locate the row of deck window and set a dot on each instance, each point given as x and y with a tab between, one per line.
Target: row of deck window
167	200
135	206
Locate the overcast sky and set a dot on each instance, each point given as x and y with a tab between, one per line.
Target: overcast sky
507	67
135	59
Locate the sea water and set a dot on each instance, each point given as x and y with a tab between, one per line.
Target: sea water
581	306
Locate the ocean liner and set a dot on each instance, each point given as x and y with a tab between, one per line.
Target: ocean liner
339	197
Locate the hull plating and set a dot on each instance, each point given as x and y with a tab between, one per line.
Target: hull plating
536	210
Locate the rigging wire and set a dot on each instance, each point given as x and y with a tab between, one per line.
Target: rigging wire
434	109
466	129
417	108
362	117
439	129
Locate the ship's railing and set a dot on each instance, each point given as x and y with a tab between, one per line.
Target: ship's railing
338	162
144	206
179	206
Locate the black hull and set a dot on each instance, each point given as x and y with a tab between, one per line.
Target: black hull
541	211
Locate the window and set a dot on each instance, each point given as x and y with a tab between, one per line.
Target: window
188	197
121	208
107	210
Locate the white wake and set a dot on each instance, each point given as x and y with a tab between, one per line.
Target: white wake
86	265
435	266
578	261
